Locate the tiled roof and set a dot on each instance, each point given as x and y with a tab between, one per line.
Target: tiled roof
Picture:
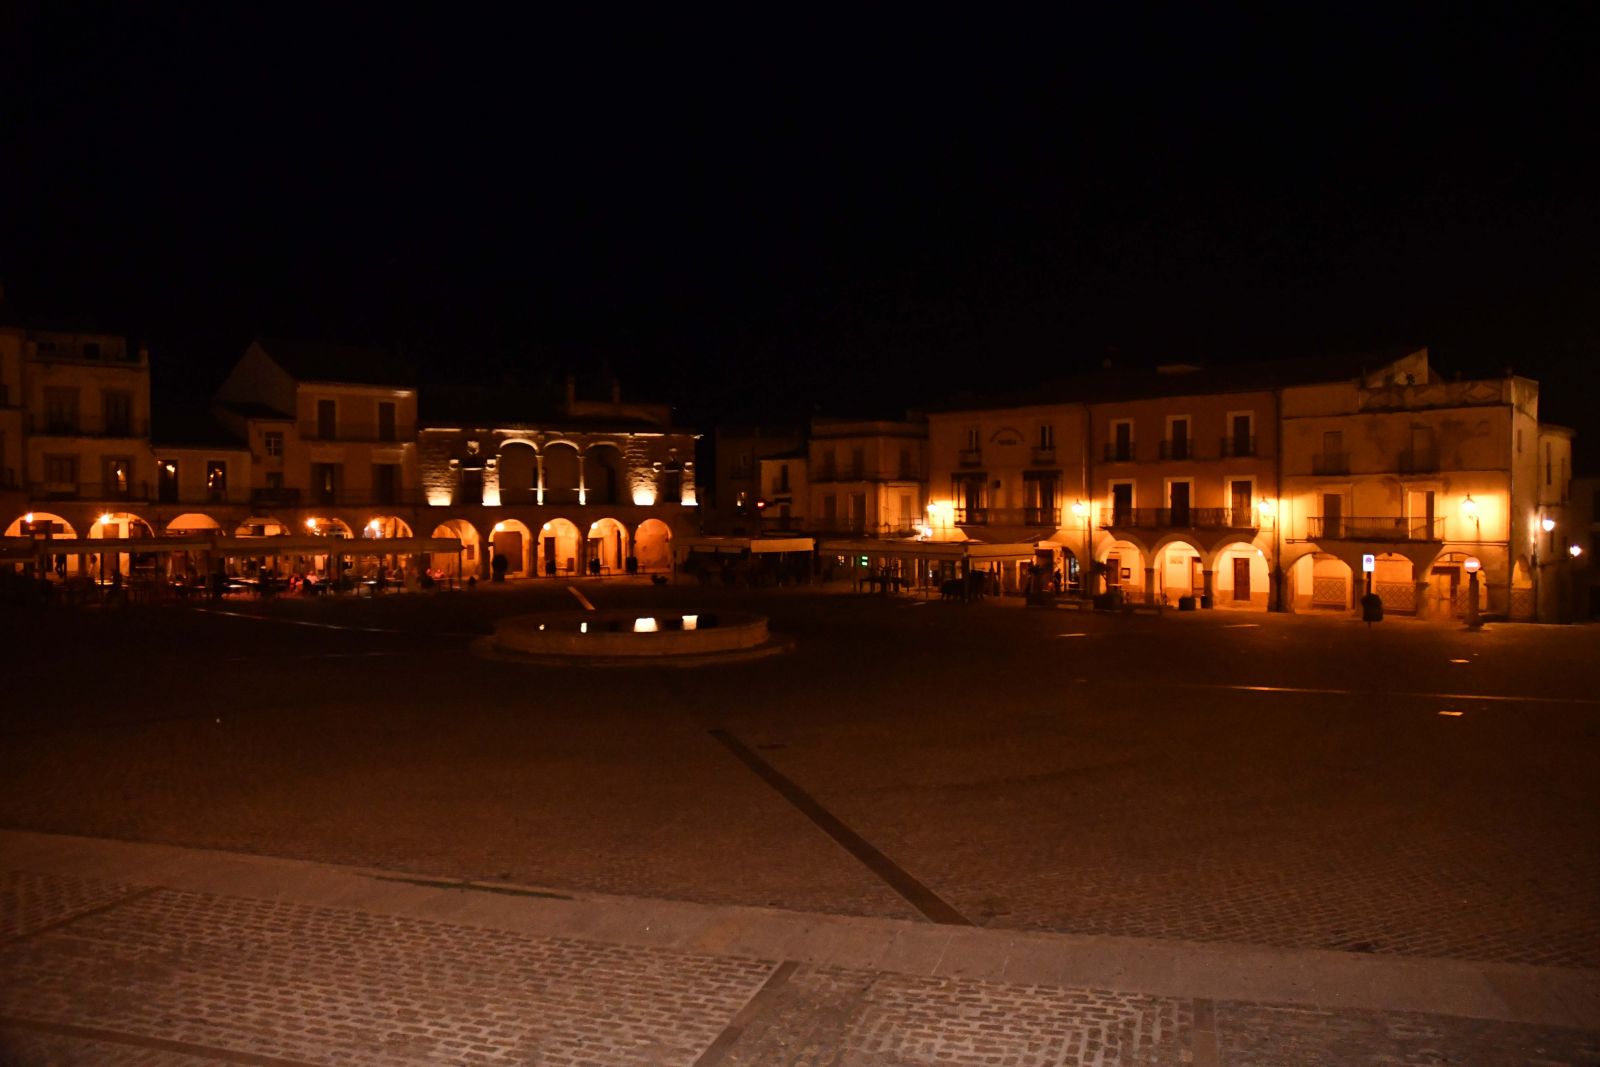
320	361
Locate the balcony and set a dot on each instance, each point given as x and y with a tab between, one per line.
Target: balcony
275	498
87	426
1178	518
1177	448
1036	517
1050	517
969	457
1331	463
356	433
1120	452
1043	457
1418	461
89	490
972	516
1238	445
1373	528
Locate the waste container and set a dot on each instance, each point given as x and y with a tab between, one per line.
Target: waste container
1372	608
1186	603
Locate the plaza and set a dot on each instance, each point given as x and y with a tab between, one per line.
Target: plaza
325	831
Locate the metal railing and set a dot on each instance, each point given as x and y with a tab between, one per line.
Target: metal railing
1416	460
1238	445
368	432
969	457
972	516
1120	452
1331	463
1179	518
1373	528
87	424
89	490
1177	448
1043	456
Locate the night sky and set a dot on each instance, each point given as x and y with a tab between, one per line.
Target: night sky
752	217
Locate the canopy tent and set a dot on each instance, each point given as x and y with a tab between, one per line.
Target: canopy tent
737	546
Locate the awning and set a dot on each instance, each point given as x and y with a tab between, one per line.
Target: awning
736	545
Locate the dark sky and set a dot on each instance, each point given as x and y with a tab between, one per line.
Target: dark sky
742	214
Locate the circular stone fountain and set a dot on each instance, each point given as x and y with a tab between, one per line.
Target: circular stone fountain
628	639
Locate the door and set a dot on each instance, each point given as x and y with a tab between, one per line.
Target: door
1180	503
1241	579
1446	587
1332	515
1240	501
1122	504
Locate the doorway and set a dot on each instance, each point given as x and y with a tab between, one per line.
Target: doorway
1241	579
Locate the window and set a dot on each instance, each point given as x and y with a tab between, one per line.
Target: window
1177	438
216	479
858	464
325	482
783	477
61	470
327	419
1121	446
272	442
972	439
117	472
385	421
61	410
118	408
386	483
1047	435
1241	440
167	481
274	480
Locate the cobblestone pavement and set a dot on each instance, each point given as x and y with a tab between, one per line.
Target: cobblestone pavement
146	976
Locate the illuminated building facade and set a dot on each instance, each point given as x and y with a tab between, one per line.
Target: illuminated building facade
1266	487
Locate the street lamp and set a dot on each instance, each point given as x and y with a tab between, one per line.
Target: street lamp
1574	551
1547	524
1086	565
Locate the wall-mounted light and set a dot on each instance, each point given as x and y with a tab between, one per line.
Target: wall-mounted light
1547	524
499	527
1079	508
105	518
1469	507
311	524
374	527
1574	551
1267	506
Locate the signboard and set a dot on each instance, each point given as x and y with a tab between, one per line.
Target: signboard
1369	563
1472	564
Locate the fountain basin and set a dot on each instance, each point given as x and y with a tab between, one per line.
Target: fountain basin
629	638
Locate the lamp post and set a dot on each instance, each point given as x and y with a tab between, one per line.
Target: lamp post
1085	565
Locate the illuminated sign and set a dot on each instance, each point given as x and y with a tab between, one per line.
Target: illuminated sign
1369	563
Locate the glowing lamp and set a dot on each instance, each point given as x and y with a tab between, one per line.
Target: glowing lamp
1547	524
1266	506
1079	508
311	524
1469	507
499	527
644	496
1575	551
374	526
105	518
28	518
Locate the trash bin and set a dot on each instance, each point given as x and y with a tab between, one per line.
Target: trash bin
1186	603
1372	608
1205	601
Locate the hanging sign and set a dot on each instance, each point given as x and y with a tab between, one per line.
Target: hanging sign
1369	563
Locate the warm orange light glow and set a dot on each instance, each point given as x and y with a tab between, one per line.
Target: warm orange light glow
1267	506
28	518
311	524
1547	524
1079	508
499	527
374	526
1469	507
1575	551
105	518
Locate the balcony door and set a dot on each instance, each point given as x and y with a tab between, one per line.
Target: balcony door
1332	515
1178	501
1122	504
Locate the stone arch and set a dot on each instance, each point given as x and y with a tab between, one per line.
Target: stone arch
1448	584
1321	581
560	552
457	565
518	468
1116	555
326	526
40	523
608	543
1394	580
117	525
193	522
1179	566
562	473
262	526
604	474
386	526
652	545
512	539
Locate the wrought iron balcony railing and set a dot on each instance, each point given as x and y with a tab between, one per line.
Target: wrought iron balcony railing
1177	448
1179	518
1120	452
1418	460
969	457
1331	463
1238	445
1373	528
